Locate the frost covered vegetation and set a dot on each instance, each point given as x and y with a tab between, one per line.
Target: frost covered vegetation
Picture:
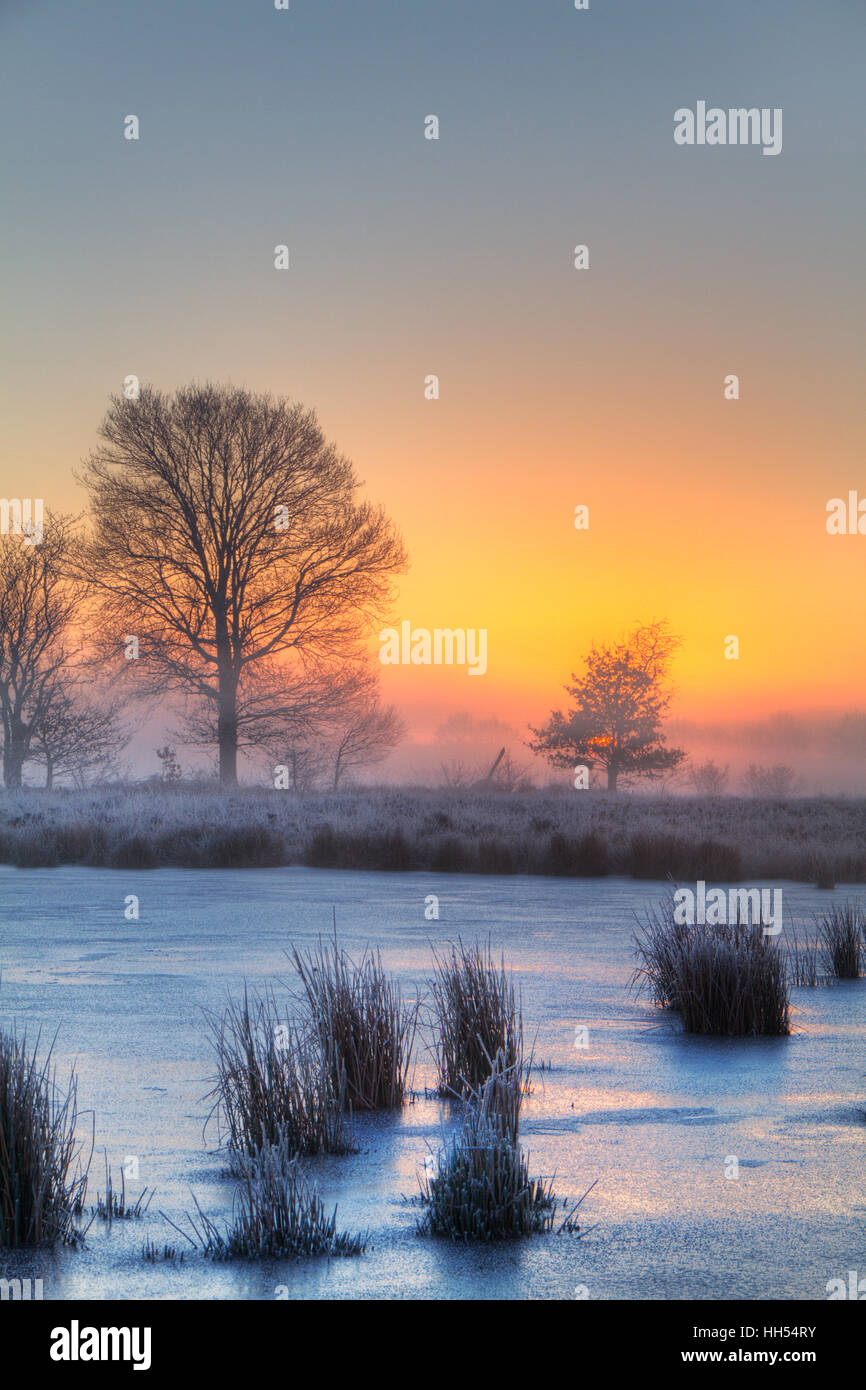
284	1086
276	1213
581	834
363	1028
274	1087
731	980
728	980
479	1187
841	937
478	1021
42	1183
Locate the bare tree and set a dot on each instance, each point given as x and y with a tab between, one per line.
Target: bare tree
226	534
708	778
507	775
457	774
75	737
305	759
364	736
38	603
769	781
619	704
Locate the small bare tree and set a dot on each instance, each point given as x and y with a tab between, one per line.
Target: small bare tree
708	779
73	737
306	764
774	781
364	736
38	604
456	774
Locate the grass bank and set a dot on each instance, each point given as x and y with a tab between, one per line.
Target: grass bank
814	840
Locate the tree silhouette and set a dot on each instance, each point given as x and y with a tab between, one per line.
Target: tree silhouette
226	535
38	605
363	737
75	737
619	704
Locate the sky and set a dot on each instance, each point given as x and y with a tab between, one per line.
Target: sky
559	387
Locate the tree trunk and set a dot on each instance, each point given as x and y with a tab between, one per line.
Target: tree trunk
612	773
227	729
14	754
49	773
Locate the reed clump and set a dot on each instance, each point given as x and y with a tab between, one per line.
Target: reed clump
803	960
363	1027
477	1017
114	1206
841	933
725	980
42	1180
272	1086
479	1187
154	1253
275	1213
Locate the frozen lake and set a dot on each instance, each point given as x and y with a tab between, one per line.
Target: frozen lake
653	1115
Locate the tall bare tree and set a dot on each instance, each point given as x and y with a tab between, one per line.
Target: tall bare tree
619	704
227	534
38	604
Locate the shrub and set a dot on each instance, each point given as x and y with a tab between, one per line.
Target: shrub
654	856
666	856
390	852
825	874
450	856
272	1087
321	852
135	852
35	849
495	857
477	1016
242	847
42	1183
585	857
723	980
364	1029
332	849
714	860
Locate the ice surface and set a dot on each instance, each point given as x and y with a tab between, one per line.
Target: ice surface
650	1113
